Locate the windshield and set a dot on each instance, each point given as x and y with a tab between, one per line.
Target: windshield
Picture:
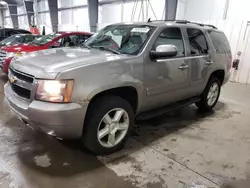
45	39
124	39
9	40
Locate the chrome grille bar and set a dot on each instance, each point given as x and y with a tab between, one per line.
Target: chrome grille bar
22	84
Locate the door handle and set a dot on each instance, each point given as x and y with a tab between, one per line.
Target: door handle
182	67
209	62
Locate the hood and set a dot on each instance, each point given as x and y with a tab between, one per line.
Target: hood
48	63
21	48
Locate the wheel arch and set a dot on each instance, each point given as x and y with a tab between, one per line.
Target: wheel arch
128	92
220	74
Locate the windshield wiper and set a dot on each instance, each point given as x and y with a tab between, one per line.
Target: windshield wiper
108	49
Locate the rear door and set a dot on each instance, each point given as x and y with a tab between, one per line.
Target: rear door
199	60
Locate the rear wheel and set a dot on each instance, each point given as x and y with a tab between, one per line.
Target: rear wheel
108	124
210	96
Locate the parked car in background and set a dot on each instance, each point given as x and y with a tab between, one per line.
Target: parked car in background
18	39
7	32
54	40
125	71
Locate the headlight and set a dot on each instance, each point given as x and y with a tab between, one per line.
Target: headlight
54	90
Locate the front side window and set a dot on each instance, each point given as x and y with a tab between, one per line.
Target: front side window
83	38
69	41
197	42
171	36
45	39
124	39
28	38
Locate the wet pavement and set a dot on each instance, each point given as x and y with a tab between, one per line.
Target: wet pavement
182	149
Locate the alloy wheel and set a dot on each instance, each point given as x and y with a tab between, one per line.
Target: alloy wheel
213	94
113	127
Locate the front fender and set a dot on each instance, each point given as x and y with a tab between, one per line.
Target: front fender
96	78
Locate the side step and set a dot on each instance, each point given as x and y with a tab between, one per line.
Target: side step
160	111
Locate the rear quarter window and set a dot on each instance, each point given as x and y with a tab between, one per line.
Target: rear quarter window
220	42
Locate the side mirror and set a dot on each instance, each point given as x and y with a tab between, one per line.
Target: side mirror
164	51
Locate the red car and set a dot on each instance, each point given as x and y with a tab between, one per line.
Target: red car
54	40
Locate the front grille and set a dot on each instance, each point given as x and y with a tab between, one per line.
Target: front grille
21	83
22	92
21	76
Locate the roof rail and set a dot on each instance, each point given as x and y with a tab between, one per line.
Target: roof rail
200	24
185	22
149	20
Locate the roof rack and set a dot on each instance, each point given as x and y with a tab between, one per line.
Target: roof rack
200	24
186	22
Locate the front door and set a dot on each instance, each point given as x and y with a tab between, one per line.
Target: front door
166	79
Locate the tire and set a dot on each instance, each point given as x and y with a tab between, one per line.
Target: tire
97	120
205	104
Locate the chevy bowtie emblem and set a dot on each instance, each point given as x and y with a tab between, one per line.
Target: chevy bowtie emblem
12	79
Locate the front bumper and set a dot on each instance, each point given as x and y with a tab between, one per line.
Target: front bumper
60	120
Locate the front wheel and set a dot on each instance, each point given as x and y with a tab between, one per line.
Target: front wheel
210	95
108	124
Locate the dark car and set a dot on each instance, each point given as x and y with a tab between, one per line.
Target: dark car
18	39
7	32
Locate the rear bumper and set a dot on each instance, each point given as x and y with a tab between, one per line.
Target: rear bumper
60	120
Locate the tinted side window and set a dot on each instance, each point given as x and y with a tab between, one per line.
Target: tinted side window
8	33
12	32
220	42
70	40
197	42
171	36
83	38
23	31
28	38
18	40
2	33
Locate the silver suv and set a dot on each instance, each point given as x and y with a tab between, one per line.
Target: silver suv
124	71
